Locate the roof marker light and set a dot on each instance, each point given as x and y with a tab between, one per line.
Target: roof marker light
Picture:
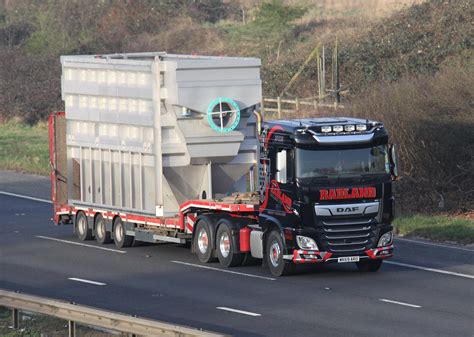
361	127
326	129
349	128
337	128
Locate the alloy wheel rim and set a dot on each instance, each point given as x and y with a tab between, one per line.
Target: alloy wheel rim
101	229
118	232
224	245
275	253
203	241
82	226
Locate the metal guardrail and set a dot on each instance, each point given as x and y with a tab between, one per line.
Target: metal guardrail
290	106
94	317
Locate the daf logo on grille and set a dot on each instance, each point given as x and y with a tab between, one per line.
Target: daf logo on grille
354	209
347	209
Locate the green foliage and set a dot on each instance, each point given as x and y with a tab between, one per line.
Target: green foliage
272	24
437	228
24	148
415	41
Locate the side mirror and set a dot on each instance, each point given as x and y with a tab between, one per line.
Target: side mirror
393	161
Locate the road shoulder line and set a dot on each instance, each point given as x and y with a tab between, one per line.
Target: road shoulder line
224	270
81	244
440	271
402	239
25	197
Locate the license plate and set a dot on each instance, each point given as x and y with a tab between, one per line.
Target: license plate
345	259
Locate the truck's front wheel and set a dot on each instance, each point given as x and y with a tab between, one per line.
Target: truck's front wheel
369	266
274	252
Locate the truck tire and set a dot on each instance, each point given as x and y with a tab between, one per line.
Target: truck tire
274	255
84	233
102	236
120	235
226	252
369	266
202	241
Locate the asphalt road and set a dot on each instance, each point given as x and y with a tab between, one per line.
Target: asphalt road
427	290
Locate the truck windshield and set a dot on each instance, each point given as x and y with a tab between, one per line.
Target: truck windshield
342	162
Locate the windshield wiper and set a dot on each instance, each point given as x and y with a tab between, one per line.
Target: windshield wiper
311	180
370	176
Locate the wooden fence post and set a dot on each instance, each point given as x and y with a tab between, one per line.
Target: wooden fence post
279	106
15	319
297	104
72	328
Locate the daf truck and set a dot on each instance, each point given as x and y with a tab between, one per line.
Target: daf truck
157	147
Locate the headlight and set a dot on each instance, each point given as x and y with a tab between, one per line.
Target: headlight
385	239
306	243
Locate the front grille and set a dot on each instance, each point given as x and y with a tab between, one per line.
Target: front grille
348	235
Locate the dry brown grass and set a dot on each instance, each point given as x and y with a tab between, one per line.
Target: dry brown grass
431	118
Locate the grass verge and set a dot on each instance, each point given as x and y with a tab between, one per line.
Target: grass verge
436	228
24	148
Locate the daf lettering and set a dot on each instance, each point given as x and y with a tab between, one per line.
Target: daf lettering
347	209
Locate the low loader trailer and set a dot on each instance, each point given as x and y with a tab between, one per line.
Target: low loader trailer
157	147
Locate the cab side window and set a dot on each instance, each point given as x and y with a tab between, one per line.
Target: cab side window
284	166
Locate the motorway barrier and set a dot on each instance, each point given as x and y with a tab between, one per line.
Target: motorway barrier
75	313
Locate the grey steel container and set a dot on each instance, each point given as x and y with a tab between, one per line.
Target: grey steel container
147	132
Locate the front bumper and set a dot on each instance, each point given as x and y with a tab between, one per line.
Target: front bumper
301	256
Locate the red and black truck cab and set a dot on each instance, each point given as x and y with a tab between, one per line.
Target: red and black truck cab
326	186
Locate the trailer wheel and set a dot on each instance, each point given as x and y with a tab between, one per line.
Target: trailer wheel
274	255
101	234
83	231
120	235
202	241
369	266
226	252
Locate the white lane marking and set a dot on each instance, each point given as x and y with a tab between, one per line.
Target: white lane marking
400	303
434	244
86	281
248	313
81	244
429	269
224	270
25	197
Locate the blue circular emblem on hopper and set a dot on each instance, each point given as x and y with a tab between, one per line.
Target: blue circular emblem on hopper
223	115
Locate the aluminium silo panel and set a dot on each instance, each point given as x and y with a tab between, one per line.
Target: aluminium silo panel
109	112
196	82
